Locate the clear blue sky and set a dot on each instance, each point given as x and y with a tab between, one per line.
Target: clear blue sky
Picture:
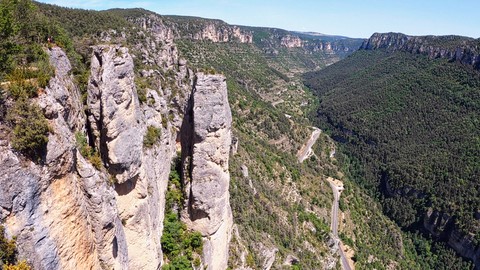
353	18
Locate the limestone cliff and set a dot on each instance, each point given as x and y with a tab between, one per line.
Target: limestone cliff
467	53
273	39
63	212
290	41
215	33
117	124
68	214
114	112
442	226
206	29
205	148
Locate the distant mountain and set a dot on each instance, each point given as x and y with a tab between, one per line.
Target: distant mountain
320	35
270	39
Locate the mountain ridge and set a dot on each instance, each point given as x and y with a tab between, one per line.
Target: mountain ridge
464	50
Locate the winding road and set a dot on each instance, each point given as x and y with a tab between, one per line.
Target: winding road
306	150
337	188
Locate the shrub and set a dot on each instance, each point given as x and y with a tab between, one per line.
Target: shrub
82	144
87	151
164	122
152	136
142	95
20	90
179	263
44	73
3	109
21	87
22	265
8	251
196	262
178	244
142	85
25	81
96	161
30	131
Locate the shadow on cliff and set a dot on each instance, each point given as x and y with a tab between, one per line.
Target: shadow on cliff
126	187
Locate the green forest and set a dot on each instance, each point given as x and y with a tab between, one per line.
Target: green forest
410	128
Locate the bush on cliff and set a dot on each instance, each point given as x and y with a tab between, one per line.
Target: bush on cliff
87	151
30	129
152	136
8	250
180	246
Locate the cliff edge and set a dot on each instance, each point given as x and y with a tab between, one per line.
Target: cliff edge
454	48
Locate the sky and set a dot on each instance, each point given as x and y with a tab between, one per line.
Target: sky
352	18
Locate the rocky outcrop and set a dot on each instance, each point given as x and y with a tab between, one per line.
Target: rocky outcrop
154	24
67	214
118	124
159	48
290	41
442	226
310	44
206	29
454	48
62	212
114	112
206	139
223	33
268	255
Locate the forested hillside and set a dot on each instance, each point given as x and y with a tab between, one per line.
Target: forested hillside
410	126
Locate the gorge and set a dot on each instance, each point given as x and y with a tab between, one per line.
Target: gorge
141	141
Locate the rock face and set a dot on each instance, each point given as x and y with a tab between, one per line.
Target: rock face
216	33
432	46
66	213
274	39
118	124
63	212
206	29
290	41
442	226
205	148
114	111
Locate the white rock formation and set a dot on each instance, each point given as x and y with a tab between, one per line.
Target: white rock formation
206	153
67	214
290	41
115	114
63	212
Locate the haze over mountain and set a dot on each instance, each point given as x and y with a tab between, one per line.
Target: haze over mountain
133	140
